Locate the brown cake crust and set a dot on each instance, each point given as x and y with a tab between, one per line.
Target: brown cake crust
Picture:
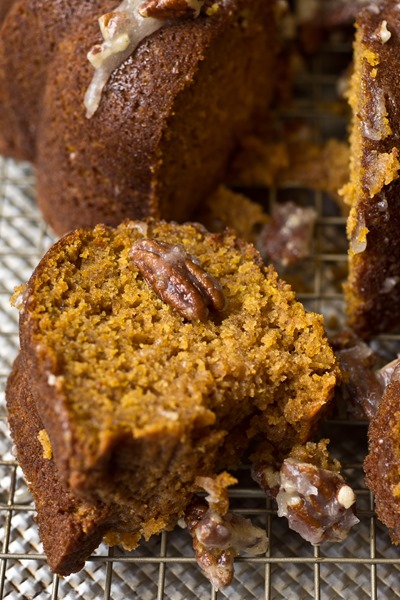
4	8
168	120
373	288
70	529
382	463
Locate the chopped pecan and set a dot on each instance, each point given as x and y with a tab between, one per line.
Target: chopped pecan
310	492
360	385
218	535
317	502
178	278
170	9
287	238
216	563
363	384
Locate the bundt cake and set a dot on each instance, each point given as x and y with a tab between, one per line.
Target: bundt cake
373	192
154	353
170	88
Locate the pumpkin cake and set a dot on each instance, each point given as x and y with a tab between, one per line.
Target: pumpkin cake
373	192
112	117
383	460
155	353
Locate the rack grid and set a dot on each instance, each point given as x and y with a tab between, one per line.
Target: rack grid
365	565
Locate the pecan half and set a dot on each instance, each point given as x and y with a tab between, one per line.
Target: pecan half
170	9
178	278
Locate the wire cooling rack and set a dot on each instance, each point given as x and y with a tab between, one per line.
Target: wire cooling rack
365	565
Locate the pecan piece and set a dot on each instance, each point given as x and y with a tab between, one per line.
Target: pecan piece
217	563
170	9
317	502
363	384
219	535
178	278
287	238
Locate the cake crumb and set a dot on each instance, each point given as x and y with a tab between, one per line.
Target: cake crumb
18	298
46	445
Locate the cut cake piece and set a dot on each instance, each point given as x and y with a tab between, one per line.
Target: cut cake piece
373	192
156	353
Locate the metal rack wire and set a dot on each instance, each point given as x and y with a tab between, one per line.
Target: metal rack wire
365	565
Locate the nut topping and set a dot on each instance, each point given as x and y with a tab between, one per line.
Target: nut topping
216	563
178	278
317	502
218	534
123	30
170	9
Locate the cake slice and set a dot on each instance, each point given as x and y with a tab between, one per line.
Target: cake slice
373	192
156	353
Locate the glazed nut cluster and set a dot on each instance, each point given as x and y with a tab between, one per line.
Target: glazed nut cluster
317	502
218	534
